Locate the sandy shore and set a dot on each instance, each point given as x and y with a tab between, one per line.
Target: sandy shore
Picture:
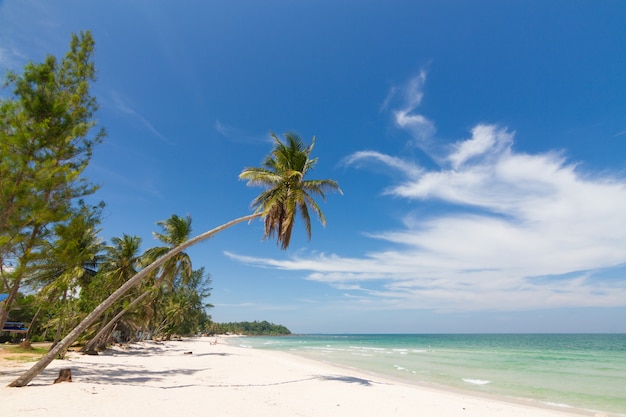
196	378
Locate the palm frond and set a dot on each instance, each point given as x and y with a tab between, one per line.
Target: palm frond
286	189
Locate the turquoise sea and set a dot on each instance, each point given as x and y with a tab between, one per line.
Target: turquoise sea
583	371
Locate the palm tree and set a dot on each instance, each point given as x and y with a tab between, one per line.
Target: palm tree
287	191
180	308
177	231
284	172
72	262
65	261
122	257
120	263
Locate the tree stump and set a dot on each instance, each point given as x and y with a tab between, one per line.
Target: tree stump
25	344
65	375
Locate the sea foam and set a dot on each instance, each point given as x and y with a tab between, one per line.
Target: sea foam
476	381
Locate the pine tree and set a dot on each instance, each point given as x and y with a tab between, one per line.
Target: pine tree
46	141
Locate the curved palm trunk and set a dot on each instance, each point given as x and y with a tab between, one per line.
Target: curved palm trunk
105	320
60	326
32	324
67	341
90	347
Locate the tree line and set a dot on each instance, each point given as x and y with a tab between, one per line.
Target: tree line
59	275
254	328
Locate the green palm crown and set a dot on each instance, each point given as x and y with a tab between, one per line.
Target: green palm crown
286	189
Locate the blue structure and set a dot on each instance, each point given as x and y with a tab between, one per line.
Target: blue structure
14	327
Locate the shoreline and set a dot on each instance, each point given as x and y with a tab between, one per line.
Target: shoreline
533	403
197	377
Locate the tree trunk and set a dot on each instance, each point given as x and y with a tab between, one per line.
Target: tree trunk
104	322
19	272
32	323
101	344
8	303
67	341
89	347
65	375
57	335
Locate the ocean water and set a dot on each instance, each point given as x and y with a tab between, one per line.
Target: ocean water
583	371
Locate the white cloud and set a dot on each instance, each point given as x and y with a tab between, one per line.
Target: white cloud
411	95
484	139
519	231
122	106
414	91
408	168
419	126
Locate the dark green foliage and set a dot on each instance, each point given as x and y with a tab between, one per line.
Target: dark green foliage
183	308
255	328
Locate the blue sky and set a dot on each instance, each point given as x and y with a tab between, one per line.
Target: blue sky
481	148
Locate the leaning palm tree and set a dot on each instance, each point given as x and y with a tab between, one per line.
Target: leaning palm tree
287	192
120	263
176	231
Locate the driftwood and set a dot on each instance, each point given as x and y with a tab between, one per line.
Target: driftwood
65	375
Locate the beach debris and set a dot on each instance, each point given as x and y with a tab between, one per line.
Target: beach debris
65	375
188	353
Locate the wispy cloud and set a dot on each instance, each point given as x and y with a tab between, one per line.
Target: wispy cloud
222	129
236	134
405	116
258	306
121	104
366	157
527	231
11	58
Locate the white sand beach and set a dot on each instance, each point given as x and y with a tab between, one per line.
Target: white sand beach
197	378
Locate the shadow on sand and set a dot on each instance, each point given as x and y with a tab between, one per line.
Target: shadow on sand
132	372
348	379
